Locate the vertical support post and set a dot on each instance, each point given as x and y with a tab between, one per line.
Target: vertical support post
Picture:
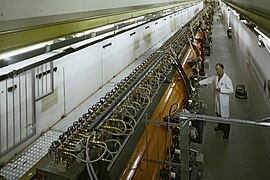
42	79
52	76
169	143
20	106
201	41
46	75
37	78
158	152
146	135
6	113
13	111
0	126
184	149
33	99
26	104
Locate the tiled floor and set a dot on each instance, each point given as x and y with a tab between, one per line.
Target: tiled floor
244	155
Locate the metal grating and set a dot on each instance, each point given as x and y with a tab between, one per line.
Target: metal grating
18	166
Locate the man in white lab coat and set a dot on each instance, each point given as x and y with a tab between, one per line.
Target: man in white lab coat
223	88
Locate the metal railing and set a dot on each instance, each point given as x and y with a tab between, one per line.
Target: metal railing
184	116
17	110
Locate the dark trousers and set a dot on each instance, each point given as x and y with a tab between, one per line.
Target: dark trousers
225	127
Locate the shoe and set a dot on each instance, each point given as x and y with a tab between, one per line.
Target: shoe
225	136
217	128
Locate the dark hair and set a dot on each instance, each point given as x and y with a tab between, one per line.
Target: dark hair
221	65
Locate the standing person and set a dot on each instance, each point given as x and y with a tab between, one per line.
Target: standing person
223	88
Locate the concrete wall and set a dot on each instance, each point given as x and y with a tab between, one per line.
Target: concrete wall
259	6
254	63
20	9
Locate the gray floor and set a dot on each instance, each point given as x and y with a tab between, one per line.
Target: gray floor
244	155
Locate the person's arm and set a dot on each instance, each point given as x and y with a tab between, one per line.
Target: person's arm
228	88
207	81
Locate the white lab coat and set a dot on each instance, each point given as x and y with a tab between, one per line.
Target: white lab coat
222	98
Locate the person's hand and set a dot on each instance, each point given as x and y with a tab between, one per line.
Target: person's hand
218	89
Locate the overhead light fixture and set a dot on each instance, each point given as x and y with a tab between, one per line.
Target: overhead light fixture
88	32
236	14
167	10
79	34
244	21
134	19
263	40
8	54
260	41
103	28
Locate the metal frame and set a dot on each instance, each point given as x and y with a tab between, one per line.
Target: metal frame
191	117
47	88
23	125
184	149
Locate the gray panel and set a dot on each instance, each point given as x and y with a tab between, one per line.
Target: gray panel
259	6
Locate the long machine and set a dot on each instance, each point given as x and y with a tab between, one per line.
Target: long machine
113	139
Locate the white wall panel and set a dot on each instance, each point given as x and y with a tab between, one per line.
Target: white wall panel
254	64
51	108
157	33
145	37
17	119
131	46
172	22
82	74
113	57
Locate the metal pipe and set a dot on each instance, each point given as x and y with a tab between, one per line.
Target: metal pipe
0	125
52	76
13	110
37	81
26	105
20	106
33	100
107	112
186	116
46	75
158	148
6	114
146	145
42	80
169	143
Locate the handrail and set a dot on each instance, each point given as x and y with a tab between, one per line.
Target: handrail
188	116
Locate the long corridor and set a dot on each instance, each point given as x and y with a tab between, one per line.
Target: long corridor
243	156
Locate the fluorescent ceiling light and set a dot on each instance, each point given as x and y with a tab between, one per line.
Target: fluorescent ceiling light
79	34
167	10
24	50
244	21
263	38
133	19
103	28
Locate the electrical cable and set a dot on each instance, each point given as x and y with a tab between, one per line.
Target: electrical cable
91	161
131	128
118	142
114	128
88	158
175	110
